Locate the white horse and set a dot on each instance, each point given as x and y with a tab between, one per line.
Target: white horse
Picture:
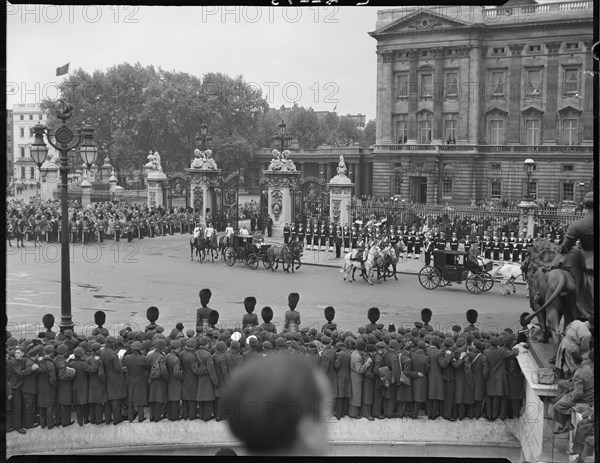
350	266
507	273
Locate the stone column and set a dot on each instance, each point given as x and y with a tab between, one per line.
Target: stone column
474	93
549	135
385	96
279	185
438	96
50	181
86	192
528	214
357	173
156	181
200	182
587	118
112	184
413	96
514	93
340	196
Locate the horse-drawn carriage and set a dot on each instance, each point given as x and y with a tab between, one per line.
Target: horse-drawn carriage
455	266
242	249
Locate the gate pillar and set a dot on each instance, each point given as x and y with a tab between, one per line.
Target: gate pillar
528	213
200	181
279	185
340	196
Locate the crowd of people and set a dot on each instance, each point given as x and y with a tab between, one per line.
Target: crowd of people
375	372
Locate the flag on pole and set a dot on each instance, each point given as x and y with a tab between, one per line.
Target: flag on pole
62	70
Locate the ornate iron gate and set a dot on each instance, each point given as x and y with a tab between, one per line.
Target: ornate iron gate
264	209
227	208
178	191
310	201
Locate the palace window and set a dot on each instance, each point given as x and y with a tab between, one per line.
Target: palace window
23	172
402	89
495	190
446	188
22	132
426	85
32	173
426	54
31	117
425	127
40	117
568	191
534	82
567	167
572	46
571	81
532	129
570	129
401	134
451	84
397	181
31	131
450	124
22	149
497	132
22	117
531	188
498	80
534	48
498	51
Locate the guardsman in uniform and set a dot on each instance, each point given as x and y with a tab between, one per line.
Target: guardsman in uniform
151	225
496	249
294	232
394	238
129	229
172	223
354	237
488	248
506	245
74	227
316	236
467	243
454	242
419	239
332	235
323	236
518	252
338	240
346	237
309	236
411	243
301	233
286	233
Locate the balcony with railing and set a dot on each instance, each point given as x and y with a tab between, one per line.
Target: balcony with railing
528	12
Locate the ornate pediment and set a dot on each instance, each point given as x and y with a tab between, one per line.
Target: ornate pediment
497	112
419	21
532	111
569	110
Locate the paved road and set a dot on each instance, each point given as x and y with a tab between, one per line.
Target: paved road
125	280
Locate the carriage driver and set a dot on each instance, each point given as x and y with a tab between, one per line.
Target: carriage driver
208	233
229	232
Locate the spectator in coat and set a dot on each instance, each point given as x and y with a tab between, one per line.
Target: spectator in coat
97	397
377	409
64	393
435	380
174	384
368	385
495	383
115	381
29	390
157	395
344	384
463	388
47	382
80	386
327	366
479	372
137	382
390	360
222	371
445	362
404	395
515	381
207	380
189	366
359	363
420	369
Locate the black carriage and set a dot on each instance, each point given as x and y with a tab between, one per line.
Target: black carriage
260	250
455	267
241	251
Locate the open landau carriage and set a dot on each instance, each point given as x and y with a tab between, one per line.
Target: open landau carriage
244	250
455	267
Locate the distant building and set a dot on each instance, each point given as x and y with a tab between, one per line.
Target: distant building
9	145
466	94
359	119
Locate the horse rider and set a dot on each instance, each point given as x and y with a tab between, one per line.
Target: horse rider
208	233
229	232
197	232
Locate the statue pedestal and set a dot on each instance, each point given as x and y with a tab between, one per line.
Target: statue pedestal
156	180
50	181
279	183
527	215
340	196
200	198
86	193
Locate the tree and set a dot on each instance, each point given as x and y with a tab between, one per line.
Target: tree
368	135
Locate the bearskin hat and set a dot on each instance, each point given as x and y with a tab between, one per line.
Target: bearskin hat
426	315
329	314
249	304
373	314
213	317
205	295
99	318
293	299
472	315
267	314
152	314
48	321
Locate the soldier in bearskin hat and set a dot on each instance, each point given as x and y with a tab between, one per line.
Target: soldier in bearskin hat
100	319
250	319
292	316
426	315
152	315
48	322
329	316
472	315
267	315
373	316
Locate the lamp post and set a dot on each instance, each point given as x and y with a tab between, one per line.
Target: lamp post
203	140
528	168
64	141
281	137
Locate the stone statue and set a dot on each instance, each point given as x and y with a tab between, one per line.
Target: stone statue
52	161
281	161
150	164
209	162
198	160
203	160
341	168
157	162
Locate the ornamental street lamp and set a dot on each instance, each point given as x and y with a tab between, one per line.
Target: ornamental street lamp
64	140
203	140
281	137
528	168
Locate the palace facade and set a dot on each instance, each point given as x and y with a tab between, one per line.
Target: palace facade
466	94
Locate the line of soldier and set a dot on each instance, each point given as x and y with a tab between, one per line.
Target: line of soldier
375	373
326	238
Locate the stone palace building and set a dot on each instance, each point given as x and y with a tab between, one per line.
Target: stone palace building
466	94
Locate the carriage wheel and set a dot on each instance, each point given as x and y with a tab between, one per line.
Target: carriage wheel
230	256
488	281
475	284
429	277
266	262
252	261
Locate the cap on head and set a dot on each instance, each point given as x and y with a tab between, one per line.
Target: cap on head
48	350
456	328
175	344
152	314
137	345
249	304
190	342
62	349
267	314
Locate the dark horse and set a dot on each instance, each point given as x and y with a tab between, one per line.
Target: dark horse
225	242
196	243
287	253
210	245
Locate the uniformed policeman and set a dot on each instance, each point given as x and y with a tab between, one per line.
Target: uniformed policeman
294	232
286	233
301	233
354	237
346	237
419	239
467	243
506	249
309	236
